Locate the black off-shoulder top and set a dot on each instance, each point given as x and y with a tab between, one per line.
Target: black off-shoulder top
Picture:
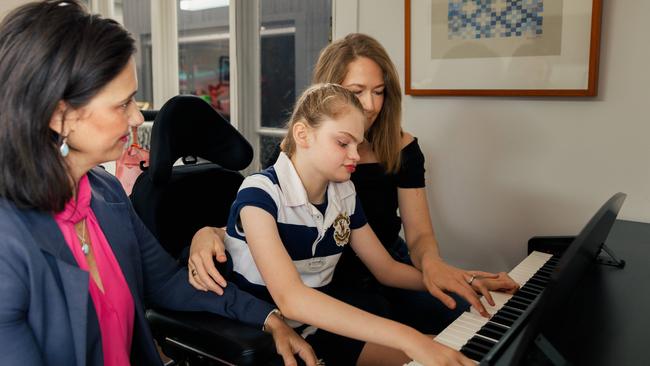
377	191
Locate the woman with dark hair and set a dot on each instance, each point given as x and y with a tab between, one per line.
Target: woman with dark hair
389	180
76	263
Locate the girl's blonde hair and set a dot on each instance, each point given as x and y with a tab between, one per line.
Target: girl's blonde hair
318	102
385	133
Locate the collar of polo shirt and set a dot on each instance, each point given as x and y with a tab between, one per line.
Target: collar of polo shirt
293	191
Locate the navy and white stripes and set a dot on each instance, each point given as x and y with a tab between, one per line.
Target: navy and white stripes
313	241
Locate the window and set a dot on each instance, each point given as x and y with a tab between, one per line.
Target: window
135	15
292	33
203	49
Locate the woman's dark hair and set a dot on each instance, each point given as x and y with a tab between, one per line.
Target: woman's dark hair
50	51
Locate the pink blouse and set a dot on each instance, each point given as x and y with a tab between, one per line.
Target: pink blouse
114	307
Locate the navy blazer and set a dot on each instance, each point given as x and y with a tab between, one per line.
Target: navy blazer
46	313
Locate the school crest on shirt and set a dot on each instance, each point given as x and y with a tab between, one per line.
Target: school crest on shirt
342	229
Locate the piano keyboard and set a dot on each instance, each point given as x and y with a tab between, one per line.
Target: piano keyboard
474	335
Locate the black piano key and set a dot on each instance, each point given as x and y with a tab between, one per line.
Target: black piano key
484	341
503	320
534	286
546	271
499	326
507	316
520	303
549	264
486	332
494	328
516	304
478	346
505	313
531	290
541	278
470	353
536	281
543	275
526	294
509	312
522	299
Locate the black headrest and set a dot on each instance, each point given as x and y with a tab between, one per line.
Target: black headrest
188	126
149	114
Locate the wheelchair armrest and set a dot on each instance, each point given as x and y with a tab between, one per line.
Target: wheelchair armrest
216	338
555	245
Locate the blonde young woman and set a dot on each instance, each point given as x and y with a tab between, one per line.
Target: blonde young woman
389	176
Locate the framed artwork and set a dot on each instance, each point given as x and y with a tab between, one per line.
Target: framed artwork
502	47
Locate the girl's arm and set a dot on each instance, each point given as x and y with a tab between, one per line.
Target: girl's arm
304	304
386	270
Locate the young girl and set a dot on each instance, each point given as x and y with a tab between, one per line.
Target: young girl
290	223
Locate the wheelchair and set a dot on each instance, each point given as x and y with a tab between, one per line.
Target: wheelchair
174	201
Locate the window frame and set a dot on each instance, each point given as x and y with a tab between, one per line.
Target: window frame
245	44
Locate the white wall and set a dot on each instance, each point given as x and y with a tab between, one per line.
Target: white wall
500	170
8	5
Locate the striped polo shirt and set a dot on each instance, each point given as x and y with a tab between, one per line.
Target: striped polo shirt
313	241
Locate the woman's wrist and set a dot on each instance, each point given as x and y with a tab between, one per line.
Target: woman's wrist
429	261
408	339
272	321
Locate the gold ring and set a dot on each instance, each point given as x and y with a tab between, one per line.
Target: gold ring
471	279
193	272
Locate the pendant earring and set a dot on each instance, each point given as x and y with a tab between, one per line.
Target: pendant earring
64	148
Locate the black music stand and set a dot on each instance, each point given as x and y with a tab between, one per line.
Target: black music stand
527	341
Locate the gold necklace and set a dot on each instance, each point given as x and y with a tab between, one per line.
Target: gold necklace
85	248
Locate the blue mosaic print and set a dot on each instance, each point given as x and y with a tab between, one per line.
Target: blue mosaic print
475	19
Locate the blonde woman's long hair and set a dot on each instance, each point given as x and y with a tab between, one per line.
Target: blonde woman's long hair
318	102
385	133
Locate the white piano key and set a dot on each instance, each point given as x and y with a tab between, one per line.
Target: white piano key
451	344
499	298
451	340
465	327
473	326
462	333
453	335
471	320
